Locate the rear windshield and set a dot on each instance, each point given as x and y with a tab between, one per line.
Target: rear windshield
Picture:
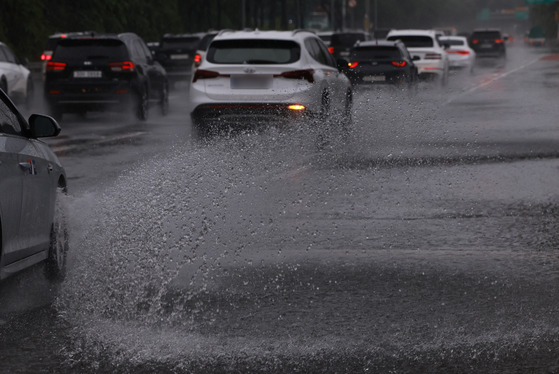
253	51
453	41
180	43
90	49
486	35
348	39
375	53
414	41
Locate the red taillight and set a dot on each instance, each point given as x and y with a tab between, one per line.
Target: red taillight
122	66
197	59
399	64
433	56
204	74
331	49
499	41
352	64
307	75
46	57
461	53
475	41
55	66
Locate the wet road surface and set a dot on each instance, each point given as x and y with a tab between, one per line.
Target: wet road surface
425	241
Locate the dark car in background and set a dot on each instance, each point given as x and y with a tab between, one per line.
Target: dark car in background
52	42
342	42
381	62
488	43
176	54
102	72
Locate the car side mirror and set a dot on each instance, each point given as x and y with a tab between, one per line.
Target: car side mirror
42	126
416	58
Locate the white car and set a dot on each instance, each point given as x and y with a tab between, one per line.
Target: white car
433	60
15	79
460	55
32	220
250	77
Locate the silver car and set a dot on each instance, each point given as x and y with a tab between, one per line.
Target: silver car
32	220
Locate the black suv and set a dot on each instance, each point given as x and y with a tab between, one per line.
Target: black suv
103	71
342	42
488	43
176	54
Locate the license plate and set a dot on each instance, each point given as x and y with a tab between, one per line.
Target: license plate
344	53
88	74
374	78
485	46
254	81
179	57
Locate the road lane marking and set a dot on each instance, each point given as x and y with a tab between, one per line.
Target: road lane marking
71	147
492	80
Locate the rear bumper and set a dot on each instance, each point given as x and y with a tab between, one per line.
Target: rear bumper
246	114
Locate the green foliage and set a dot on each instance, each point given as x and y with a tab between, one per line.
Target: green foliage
26	24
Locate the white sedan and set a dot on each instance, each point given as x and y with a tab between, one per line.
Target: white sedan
32	220
460	55
15	79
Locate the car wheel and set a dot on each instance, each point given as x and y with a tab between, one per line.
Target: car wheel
55	266
164	100
142	105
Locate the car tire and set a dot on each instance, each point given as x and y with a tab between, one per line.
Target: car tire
164	99
55	265
142	105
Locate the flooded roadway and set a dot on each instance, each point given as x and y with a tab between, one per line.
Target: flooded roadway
424	242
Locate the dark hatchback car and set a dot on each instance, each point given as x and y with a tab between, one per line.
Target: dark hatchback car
488	43
342	42
176	53
104	72
382	62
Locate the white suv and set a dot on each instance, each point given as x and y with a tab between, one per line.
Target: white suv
433	61
269	76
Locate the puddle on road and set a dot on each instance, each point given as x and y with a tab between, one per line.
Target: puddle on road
253	253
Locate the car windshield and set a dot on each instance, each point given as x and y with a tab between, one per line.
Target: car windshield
90	49
375	53
347	39
414	41
253	51
180	43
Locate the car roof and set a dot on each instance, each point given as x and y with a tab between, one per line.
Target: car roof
412	32
379	43
258	34
453	37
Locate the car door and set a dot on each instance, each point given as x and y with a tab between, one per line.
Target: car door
337	82
25	191
10	69
153	68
